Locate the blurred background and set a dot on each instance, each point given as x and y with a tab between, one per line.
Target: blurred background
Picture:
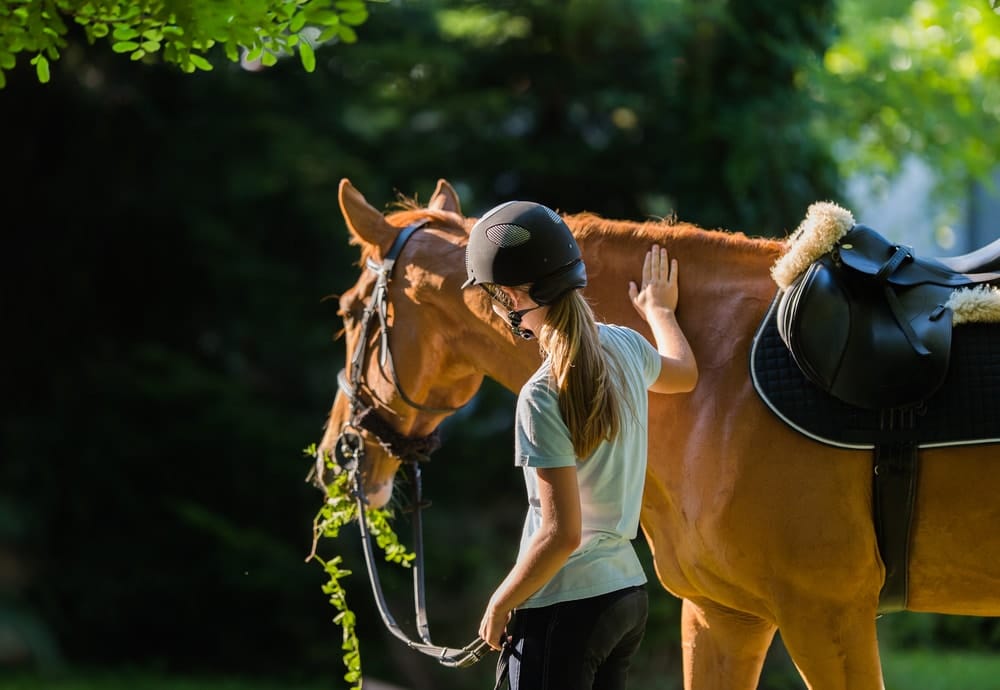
173	240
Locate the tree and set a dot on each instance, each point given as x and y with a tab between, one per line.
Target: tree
909	78
178	31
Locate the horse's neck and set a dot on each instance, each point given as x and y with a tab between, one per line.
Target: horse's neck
724	279
725	287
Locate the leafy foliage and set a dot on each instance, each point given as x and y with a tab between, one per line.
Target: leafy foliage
340	509
909	78
180	31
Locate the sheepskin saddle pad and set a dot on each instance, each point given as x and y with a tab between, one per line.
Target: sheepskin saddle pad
965	409
870	322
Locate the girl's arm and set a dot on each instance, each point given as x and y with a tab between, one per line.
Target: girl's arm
550	547
656	302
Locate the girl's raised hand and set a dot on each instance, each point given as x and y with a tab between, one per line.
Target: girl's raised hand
659	283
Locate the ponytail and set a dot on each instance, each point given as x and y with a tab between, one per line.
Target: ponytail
587	380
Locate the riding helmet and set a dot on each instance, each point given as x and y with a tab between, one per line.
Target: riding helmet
524	243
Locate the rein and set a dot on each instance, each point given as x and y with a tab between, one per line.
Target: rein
350	452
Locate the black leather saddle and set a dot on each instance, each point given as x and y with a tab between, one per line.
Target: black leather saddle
867	322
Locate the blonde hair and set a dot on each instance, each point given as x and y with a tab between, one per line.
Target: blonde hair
588	382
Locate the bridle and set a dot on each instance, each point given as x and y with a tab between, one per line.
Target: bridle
349	452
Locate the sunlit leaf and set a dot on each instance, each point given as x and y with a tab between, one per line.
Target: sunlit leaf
42	69
124	46
124	32
200	62
307	56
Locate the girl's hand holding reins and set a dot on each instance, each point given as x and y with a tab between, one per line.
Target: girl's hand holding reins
492	628
659	283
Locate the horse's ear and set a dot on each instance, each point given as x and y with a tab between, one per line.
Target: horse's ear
445	198
366	223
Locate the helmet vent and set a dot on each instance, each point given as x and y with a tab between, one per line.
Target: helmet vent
507	234
553	215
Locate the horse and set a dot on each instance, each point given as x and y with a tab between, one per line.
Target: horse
754	526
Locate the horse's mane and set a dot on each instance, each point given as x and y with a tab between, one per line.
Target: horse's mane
585	225
590	225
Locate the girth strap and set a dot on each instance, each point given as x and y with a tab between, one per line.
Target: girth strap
894	491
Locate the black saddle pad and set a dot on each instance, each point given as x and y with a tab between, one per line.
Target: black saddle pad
965	410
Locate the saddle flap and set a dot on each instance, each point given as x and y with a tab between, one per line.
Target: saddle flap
811	322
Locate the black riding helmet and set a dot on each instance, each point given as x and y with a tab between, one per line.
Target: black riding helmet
524	243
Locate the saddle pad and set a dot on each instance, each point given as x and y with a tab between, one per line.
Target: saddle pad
965	410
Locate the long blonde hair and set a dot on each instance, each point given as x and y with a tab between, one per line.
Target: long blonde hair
588	382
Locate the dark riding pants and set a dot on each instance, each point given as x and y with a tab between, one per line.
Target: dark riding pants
575	645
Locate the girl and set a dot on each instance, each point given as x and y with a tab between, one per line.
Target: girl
577	591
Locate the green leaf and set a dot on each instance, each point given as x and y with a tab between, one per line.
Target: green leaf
200	62
307	56
355	18
124	46
123	32
328	34
325	17
255	52
347	34
42	69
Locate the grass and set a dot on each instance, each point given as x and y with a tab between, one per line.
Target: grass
903	670
927	670
145	680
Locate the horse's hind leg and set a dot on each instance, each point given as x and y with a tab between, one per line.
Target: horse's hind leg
834	649
723	649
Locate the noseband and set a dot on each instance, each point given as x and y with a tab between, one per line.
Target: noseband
349	452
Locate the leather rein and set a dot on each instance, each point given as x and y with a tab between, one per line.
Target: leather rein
349	453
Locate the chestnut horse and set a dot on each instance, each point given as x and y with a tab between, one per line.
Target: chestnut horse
754	526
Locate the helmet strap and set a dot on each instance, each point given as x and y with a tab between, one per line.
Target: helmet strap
514	320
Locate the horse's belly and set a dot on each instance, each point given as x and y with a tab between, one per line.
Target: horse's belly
955	547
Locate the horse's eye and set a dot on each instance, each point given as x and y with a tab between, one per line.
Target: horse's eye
350	310
345	312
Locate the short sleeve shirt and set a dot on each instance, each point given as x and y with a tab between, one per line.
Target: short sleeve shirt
611	479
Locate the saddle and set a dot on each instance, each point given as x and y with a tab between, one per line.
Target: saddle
870	322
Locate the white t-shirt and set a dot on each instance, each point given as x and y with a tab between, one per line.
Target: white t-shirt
611	479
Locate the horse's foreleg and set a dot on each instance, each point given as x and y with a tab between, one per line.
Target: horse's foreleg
723	649
833	649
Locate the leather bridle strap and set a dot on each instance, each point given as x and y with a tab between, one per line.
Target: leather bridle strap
378	307
350	449
446	656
